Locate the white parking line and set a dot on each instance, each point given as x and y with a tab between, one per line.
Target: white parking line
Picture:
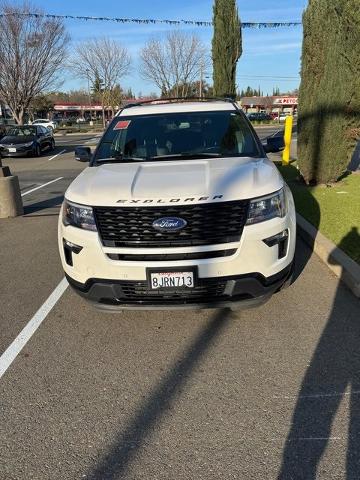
71	141
81	141
319	395
27	332
308	439
94	141
41	186
52	158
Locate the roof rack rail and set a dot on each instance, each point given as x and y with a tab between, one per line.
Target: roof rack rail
178	99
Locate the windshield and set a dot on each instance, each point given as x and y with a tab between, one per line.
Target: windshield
177	135
21	131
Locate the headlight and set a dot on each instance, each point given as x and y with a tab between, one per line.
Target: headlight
29	144
79	216
265	208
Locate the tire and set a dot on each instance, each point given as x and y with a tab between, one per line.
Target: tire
52	145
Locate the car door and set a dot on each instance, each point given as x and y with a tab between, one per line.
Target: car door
40	135
45	137
49	136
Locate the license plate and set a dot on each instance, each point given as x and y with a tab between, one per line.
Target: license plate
12	150
167	280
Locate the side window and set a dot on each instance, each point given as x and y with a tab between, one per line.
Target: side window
44	130
238	138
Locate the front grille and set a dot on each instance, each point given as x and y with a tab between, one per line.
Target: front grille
207	224
138	292
126	257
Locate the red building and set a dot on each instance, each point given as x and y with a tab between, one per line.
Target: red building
68	109
269	104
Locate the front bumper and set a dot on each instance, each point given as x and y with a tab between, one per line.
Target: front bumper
251	272
20	152
236	292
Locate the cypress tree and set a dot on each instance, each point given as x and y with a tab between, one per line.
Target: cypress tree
329	97
226	46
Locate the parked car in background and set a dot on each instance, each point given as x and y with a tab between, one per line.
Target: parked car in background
45	122
2	131
69	121
24	140
283	116
258	117
274	115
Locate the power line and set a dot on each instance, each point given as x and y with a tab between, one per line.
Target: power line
271	76
276	80
198	23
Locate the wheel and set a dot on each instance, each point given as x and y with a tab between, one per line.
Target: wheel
37	151
52	145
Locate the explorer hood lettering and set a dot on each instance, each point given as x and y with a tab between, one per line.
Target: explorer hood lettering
175	182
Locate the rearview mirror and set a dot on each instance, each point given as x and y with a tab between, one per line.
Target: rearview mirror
83	154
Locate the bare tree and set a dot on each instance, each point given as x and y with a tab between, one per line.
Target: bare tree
174	62
102	59
113	98
32	50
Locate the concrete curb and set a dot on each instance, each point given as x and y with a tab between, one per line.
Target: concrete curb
271	125
339	263
76	134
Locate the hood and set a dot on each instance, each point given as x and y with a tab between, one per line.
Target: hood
16	140
169	182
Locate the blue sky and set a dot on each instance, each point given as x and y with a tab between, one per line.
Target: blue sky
266	53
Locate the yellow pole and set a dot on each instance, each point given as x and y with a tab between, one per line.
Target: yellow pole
287	140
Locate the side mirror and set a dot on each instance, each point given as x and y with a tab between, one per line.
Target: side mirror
274	144
83	154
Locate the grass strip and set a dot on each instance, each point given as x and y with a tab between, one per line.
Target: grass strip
334	209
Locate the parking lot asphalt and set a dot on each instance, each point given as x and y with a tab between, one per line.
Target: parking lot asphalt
267	393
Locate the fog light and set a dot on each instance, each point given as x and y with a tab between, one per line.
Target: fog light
281	239
69	249
72	246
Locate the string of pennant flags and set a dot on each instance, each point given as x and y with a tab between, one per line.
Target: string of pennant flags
152	20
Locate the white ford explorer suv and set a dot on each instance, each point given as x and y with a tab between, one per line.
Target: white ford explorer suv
179	208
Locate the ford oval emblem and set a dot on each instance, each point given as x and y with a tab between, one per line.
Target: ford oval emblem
169	224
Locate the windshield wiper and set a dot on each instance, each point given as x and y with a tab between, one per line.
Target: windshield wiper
119	158
193	156
186	155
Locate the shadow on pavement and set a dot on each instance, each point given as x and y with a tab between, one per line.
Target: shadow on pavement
333	374
43	205
334	370
160	400
302	256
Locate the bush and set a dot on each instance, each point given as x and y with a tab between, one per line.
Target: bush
329	97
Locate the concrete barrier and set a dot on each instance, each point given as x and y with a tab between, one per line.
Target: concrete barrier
10	197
